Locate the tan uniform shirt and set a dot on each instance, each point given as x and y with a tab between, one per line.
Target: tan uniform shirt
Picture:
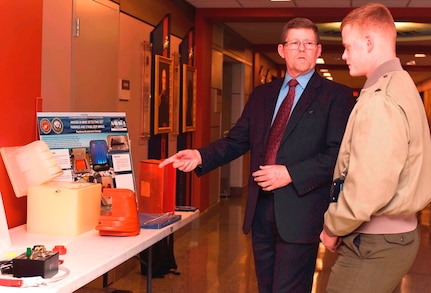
386	152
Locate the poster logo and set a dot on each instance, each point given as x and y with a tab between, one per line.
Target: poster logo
57	125
45	126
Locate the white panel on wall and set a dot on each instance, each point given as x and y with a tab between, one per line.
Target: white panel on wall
56	51
95	29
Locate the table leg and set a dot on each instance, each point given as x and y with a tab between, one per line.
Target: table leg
149	269
105	280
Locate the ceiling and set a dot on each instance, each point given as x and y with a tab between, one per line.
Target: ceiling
260	23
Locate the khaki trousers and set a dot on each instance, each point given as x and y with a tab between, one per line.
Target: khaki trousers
370	263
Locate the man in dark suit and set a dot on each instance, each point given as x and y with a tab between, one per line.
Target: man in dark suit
288	195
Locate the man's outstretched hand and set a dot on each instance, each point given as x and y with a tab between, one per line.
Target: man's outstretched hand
185	160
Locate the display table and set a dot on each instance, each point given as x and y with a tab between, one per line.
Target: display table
90	255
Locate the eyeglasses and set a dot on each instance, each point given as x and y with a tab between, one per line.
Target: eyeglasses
295	44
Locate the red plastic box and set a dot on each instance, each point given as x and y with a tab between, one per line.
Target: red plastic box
156	187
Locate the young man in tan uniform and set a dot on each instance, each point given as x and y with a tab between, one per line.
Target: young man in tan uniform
383	169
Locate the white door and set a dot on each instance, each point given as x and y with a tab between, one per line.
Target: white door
95	47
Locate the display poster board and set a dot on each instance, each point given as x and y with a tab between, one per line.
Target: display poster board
89	147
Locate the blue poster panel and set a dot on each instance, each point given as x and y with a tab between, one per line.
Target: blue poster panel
89	147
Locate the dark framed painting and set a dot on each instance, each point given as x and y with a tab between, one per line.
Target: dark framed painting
189	98
163	95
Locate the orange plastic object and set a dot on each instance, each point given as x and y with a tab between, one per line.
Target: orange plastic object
121	219
157	187
60	248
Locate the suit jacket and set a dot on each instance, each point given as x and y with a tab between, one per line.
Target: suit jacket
308	149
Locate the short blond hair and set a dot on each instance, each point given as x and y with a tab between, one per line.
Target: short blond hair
371	16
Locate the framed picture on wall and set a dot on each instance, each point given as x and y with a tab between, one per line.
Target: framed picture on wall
189	98
163	95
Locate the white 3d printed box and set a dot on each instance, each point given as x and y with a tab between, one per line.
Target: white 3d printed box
63	208
54	208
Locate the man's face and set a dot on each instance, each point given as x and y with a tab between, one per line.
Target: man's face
300	60
355	49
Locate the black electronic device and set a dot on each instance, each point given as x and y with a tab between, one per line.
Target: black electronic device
36	263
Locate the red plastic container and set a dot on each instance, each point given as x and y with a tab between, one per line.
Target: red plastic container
157	187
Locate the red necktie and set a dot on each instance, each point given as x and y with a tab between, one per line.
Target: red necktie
279	125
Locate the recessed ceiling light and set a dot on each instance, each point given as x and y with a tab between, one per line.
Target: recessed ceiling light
411	62
327	74
320	60
420	55
324	70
